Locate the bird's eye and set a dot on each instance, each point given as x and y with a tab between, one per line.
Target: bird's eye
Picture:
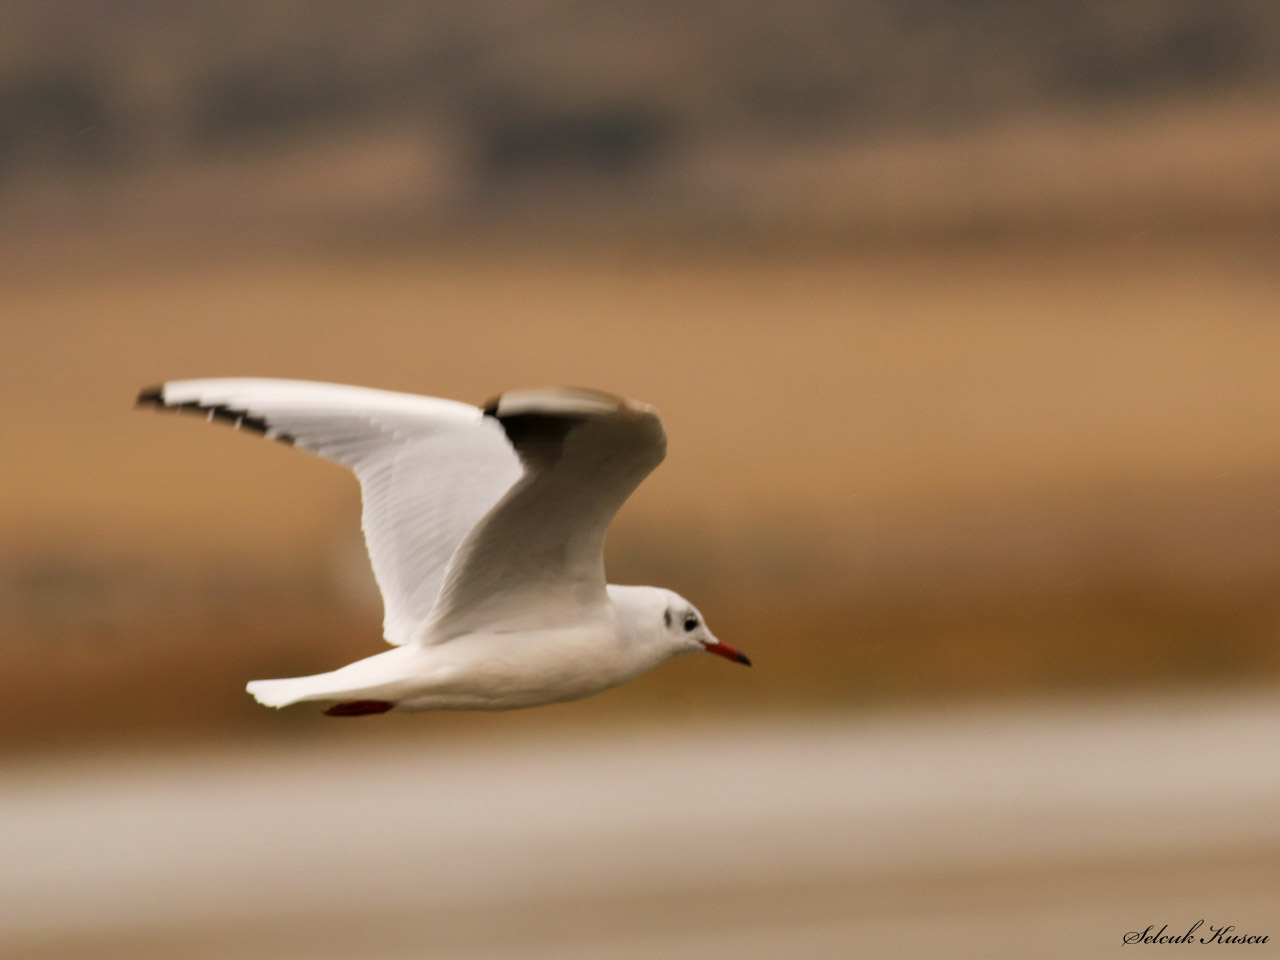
690	623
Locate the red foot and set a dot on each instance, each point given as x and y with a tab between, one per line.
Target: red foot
358	708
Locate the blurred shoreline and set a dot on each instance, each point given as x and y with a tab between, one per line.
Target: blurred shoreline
1184	170
969	831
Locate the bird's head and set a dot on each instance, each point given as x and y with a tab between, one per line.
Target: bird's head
669	624
688	632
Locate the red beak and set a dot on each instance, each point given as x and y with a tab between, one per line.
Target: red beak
726	651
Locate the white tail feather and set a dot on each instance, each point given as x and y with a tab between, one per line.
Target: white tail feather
380	677
282	693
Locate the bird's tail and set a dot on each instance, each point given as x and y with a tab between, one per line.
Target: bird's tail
283	693
374	678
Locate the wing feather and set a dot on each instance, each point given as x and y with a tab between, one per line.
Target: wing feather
429	469
537	558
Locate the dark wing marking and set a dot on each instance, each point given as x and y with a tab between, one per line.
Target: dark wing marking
428	468
537	556
240	419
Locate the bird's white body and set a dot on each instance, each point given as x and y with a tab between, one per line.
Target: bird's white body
488	670
486	532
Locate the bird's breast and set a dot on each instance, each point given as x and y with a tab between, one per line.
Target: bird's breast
504	670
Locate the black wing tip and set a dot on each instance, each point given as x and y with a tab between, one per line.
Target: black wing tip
150	397
240	419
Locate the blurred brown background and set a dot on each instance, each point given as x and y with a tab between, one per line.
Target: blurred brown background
962	317
963	320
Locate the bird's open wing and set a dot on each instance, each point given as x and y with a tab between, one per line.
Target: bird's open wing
429	469
537	558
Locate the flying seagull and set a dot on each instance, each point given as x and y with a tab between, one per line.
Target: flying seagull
486	531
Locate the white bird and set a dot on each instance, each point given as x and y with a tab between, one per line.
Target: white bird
486	532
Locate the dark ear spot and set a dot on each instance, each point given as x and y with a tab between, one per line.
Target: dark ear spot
666	616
